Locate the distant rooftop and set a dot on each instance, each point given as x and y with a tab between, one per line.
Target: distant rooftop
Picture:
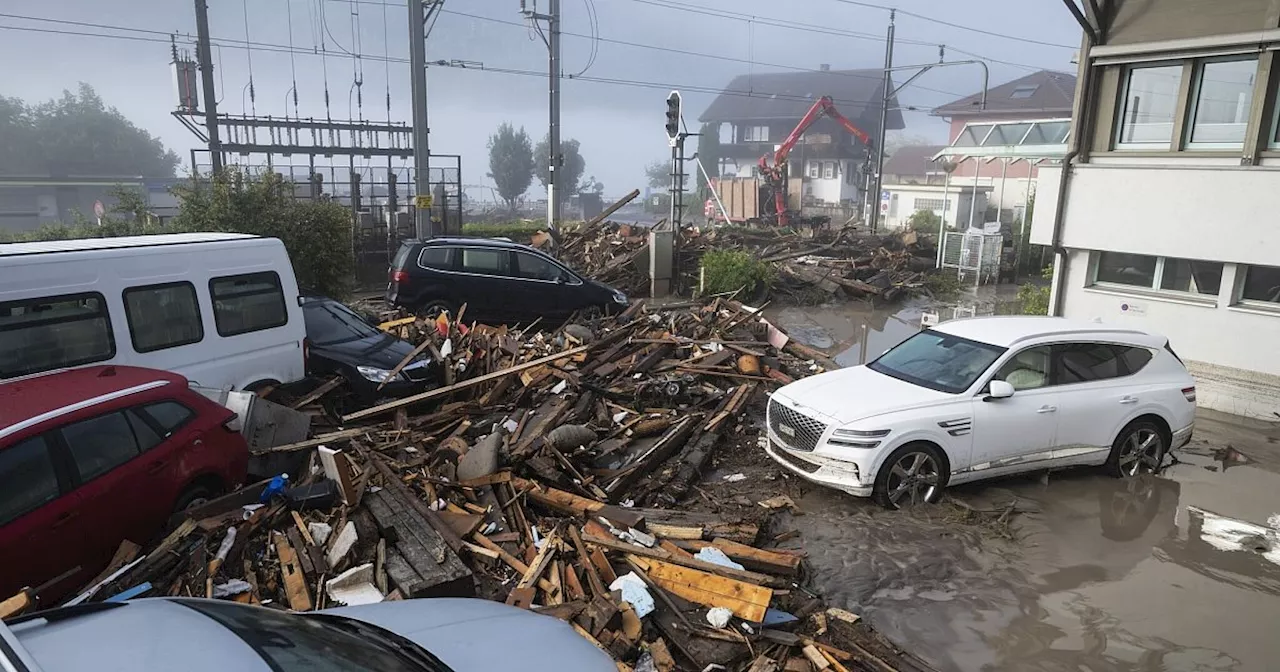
788	95
1043	92
913	160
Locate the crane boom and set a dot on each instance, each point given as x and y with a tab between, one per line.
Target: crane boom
776	173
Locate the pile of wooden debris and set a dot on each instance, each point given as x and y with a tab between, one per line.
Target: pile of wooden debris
548	474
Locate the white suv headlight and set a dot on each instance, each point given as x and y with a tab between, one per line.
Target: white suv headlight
858	438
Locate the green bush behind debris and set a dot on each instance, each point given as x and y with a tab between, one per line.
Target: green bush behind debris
517	230
731	270
1034	297
317	235
924	222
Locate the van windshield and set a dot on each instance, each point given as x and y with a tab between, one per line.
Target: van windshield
938	361
329	323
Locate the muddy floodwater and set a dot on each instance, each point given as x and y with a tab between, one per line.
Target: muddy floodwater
1169	573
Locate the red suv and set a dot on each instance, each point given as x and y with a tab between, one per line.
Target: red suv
93	456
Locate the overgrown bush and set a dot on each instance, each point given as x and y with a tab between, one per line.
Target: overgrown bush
316	234
1035	297
517	230
732	270
924	221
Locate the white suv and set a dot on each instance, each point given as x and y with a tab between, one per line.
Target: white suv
985	397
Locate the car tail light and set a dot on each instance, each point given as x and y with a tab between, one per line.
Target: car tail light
1189	393
400	277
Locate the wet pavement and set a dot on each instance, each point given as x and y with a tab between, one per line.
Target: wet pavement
1169	573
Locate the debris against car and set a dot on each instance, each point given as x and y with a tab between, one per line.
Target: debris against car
548	474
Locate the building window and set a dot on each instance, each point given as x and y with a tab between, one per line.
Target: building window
54	332
935	204
849	174
814	169
1024	91
1261	285
163	316
829	170
1159	273
246	303
1221	103
756	134
1150	104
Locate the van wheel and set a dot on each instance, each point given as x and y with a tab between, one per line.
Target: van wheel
913	474
1139	449
432	309
196	494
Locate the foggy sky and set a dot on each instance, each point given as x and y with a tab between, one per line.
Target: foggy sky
619	126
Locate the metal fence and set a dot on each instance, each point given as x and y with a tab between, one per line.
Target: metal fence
975	255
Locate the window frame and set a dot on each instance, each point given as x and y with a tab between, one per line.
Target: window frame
69	455
828	170
1155	288
570	278
105	314
61	475
213	300
1238	299
128	315
1122	108
147	416
814	170
1192	104
448	249
1055	363
500	274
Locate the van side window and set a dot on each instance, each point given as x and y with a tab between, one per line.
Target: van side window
245	303
486	262
163	316
27	479
100	444
54	332
439	258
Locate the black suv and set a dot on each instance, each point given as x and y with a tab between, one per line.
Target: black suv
498	280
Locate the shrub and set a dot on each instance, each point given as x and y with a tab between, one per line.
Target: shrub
1035	297
732	270
517	230
924	221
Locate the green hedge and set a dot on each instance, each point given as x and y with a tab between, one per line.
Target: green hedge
731	270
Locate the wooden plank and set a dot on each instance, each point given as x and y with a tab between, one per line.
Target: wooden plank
402	492
17	604
607	575
748	602
402	575
304	559
442	572
540	561
315	394
426	343
692	563
125	554
750	557
331	437
295	584
399	403
597	585
815	657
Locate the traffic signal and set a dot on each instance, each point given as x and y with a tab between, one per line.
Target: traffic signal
673	115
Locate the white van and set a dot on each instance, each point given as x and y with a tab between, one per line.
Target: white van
221	309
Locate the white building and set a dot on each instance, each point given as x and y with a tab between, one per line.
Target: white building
1166	215
959	207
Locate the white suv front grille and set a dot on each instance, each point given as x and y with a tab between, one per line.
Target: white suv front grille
797	430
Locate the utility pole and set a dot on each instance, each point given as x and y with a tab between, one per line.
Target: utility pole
205	57
555	158
873	198
423	226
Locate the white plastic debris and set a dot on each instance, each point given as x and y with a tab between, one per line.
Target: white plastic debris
511	426
232	587
489	529
642	538
636	592
225	547
347	539
716	556
354	586
719	617
447	347
627	503
734	478
619	417
249	510
560	387
320	532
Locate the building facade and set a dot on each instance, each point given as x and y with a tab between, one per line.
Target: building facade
959	207
1164	216
757	112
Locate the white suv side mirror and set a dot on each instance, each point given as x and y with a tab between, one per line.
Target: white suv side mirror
999	390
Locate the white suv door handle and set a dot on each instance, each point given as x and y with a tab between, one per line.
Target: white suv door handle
1047	409
1129	400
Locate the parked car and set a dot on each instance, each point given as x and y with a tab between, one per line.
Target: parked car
93	456
219	308
197	635
985	397
341	342
499	281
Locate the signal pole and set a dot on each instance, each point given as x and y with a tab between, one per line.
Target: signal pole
205	57
555	156
423	226
873	198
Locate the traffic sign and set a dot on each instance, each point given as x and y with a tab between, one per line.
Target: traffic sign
422	202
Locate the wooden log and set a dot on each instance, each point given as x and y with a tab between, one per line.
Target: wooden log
450	389
749	556
320	391
673	524
512	561
692	563
815	657
747	601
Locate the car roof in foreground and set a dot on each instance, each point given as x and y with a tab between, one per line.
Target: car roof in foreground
1007	332
49	393
142	635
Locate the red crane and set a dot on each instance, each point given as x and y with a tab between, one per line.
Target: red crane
776	175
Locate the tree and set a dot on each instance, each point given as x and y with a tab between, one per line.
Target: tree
571	171
511	162
659	174
77	134
708	153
